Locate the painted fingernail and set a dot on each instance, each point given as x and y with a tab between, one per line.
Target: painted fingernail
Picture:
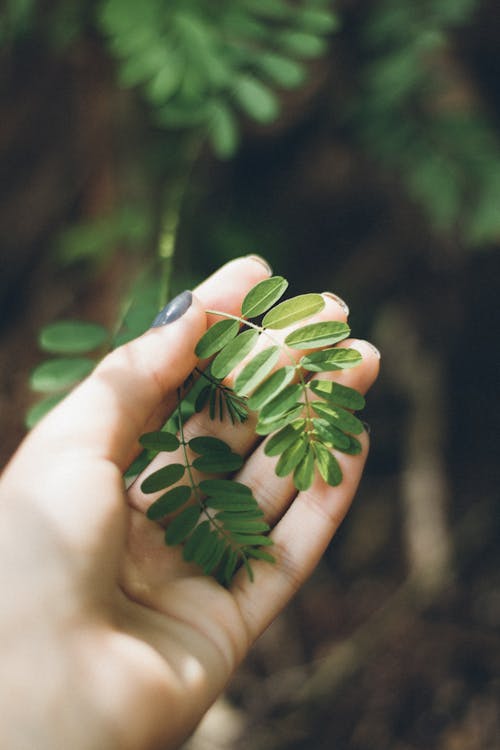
338	300
262	262
173	310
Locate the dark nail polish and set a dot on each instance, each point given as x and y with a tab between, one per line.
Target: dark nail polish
173	310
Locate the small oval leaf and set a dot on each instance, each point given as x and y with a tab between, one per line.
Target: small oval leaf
256	370
232	354
284	438
225	488
304	473
208	444
315	335
293	310
159	441
271	387
263	296
163	478
72	337
328	465
169	502
291	457
339	417
285	400
182	525
218	462
338	394
217	336
265	428
59	374
331	360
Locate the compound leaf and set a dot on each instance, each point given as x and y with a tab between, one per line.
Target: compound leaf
293	310
256	370
182	525
198	541
232	354
159	441
263	296
217	336
163	478
315	335
169	502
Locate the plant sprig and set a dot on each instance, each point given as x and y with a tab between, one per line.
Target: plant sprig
218	521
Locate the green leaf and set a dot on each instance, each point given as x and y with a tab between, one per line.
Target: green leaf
223	130
218	462
208	444
318	21
217	336
163	478
233	353
260	554
248	514
169	502
202	398
230	564
330	360
284	438
248	539
159	441
318	334
225	488
256	370
338	394
341	418
182	525
60	374
291	457
301	44
293	310
271	387
281	70
263	296
234	522
285	400
41	408
331	435
266	427
72	337
327	465
198	542
304	473
256	99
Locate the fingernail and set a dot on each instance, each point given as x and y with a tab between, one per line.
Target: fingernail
374	349
262	263
338	300
367	427
173	310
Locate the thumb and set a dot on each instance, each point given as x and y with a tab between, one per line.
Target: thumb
108	411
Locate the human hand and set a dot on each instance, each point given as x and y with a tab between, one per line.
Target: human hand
108	639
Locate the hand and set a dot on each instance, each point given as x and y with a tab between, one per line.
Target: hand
108	639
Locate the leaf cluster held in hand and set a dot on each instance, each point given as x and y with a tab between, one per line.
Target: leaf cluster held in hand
303	417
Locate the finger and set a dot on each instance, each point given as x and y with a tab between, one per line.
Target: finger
240	437
300	539
273	493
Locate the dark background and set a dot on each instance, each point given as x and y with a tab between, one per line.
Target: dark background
395	641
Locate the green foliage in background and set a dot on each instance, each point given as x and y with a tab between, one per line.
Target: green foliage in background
412	116
202	63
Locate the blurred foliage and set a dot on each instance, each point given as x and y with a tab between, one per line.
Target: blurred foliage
417	115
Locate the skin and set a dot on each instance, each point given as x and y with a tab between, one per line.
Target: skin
107	638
